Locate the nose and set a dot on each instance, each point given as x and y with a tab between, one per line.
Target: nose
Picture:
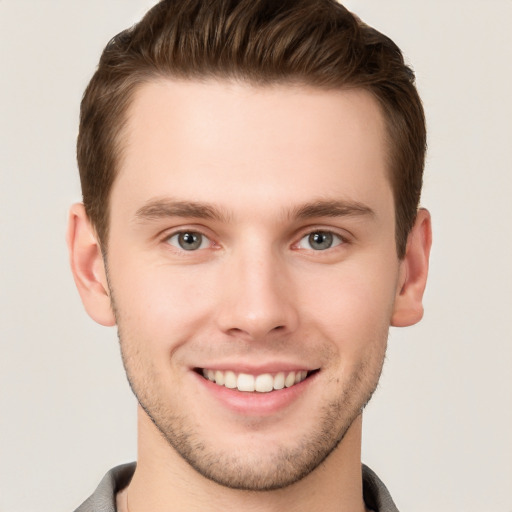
257	298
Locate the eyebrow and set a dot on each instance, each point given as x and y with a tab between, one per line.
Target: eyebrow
331	208
164	208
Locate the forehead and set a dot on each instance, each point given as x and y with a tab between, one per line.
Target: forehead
236	142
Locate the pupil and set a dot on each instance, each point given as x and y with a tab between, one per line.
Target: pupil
189	241
320	240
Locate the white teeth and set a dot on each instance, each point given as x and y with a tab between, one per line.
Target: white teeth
263	383
289	380
245	382
219	377
279	381
230	380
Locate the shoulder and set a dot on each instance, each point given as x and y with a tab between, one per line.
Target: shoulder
375	493
104	497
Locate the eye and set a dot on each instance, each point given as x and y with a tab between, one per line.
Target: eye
320	241
189	240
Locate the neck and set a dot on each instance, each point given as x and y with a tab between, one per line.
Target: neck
164	482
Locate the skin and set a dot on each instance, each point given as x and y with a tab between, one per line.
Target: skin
254	172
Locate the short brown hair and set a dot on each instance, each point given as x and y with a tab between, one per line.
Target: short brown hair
313	42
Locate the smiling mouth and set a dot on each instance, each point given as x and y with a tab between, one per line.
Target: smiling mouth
263	383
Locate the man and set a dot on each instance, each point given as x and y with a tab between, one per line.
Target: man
251	173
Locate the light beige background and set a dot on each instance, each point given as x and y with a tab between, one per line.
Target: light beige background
439	430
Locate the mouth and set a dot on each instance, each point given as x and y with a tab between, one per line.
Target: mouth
261	383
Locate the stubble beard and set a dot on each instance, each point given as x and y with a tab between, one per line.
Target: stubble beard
276	470
239	469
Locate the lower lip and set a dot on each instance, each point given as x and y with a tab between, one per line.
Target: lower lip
256	404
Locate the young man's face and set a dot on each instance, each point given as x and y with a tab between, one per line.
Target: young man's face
252	241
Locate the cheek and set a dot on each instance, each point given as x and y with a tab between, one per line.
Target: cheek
352	304
159	300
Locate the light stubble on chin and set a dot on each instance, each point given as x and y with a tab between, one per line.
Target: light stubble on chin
265	472
242	469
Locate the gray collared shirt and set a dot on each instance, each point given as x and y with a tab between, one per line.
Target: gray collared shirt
375	494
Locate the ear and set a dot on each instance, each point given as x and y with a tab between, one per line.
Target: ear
88	266
408	308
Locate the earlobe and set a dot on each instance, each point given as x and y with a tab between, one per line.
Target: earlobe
408	308
88	266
